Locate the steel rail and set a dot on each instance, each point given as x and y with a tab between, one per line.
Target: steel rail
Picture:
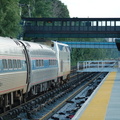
54	110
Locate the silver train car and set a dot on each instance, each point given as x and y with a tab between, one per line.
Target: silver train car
28	69
42	67
12	71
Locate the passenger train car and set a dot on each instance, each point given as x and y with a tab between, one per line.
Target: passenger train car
28	69
42	66
12	71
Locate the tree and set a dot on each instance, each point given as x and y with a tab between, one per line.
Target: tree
9	18
59	10
44	8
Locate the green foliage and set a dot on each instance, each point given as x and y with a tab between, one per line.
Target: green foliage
10	11
43	8
59	10
9	18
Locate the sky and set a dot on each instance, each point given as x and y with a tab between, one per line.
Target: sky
93	8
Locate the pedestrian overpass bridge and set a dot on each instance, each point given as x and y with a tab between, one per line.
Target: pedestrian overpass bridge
71	27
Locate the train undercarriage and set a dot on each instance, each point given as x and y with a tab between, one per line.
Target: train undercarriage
15	98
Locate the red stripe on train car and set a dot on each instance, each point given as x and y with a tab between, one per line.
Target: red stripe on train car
12	89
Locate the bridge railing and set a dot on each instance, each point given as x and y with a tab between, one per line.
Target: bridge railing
72	29
97	66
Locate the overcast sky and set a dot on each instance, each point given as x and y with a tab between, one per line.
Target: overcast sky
93	8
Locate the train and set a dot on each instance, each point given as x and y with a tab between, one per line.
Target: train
28	69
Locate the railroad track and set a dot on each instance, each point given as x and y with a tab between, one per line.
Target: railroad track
40	102
54	110
16	110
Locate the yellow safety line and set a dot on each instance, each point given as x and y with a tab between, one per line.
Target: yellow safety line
96	110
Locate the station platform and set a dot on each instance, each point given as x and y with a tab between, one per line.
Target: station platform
104	103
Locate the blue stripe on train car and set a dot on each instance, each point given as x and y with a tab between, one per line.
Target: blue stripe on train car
7	70
46	65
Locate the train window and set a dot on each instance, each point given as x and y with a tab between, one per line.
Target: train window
55	62
64	49
14	64
37	63
19	64
42	63
68	49
52	62
60	47
10	63
5	64
49	62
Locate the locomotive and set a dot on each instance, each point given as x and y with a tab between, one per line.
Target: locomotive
28	69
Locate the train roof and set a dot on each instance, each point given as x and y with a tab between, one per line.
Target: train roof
33	45
7	41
